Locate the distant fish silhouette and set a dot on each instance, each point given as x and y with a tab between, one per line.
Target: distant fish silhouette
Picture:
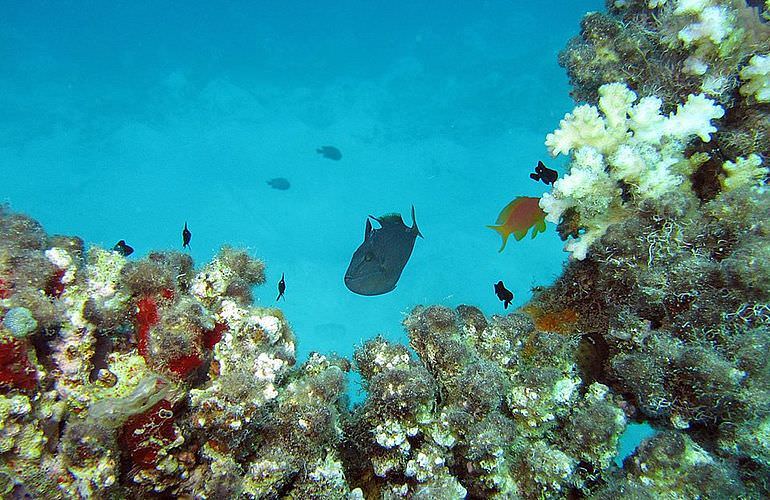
545	174
186	236
329	152
281	289
279	183
377	263
123	248
505	295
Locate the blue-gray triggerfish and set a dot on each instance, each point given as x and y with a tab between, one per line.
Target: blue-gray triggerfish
377	264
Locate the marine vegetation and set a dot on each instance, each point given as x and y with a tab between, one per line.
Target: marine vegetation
127	379
152	378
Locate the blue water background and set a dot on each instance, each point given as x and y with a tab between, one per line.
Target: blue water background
124	119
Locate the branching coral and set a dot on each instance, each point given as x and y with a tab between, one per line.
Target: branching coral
756	76
629	146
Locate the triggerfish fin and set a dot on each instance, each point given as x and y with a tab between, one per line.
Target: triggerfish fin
518	216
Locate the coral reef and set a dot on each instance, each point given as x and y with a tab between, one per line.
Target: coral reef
153	379
491	409
130	379
667	224
681	86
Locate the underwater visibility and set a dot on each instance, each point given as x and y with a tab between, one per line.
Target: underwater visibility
188	310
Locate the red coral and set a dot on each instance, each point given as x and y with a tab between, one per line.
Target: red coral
146	318
55	285
211	337
15	369
184	365
145	434
5	288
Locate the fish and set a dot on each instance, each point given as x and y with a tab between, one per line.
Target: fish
378	262
123	248
545	174
505	295
186	235
518	216
279	183
330	152
281	288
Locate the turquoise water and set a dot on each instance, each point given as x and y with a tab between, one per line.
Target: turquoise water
123	120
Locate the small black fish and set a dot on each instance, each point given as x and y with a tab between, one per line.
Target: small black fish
329	152
505	295
545	174
281	289
377	263
123	248
186	235
279	183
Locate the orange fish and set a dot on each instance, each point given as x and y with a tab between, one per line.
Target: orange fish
518	216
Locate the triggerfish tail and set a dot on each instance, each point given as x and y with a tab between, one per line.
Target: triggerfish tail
518	217
415	229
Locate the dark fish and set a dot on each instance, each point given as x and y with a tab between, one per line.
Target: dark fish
123	248
279	183
377	264
505	295
329	152
545	174
281	289
186	235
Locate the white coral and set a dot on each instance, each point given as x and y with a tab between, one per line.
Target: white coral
745	171
615	99
583	126
587	185
645	119
627	143
757	78
579	247
694	118
691	6
713	24
694	65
